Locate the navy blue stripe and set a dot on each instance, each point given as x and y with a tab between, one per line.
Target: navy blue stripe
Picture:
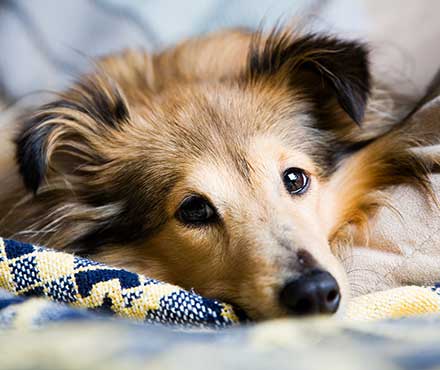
16	249
86	279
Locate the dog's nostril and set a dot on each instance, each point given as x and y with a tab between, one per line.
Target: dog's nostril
332	295
312	293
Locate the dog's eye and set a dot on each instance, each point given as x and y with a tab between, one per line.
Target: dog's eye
295	180
196	210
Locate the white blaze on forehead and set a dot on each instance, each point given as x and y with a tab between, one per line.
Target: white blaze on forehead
219	179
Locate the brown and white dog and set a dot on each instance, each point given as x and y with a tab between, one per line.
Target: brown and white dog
236	164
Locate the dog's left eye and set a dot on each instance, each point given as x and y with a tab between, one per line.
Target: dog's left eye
196	210
295	180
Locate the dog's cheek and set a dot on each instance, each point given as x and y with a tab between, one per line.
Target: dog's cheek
184	256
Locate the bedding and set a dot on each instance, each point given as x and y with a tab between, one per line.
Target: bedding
33	271
28	270
411	343
49	291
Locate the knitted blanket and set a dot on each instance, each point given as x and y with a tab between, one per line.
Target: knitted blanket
73	282
32	271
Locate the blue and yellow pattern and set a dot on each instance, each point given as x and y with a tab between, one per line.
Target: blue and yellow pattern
28	270
65	283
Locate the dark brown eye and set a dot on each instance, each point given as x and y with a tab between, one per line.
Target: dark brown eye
196	210
295	180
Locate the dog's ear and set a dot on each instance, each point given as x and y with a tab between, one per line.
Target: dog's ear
62	136
323	67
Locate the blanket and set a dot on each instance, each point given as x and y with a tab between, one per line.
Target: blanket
33	271
64	279
405	344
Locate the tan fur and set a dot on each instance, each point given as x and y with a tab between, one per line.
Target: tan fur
193	125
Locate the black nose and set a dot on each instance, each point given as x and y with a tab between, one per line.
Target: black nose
314	292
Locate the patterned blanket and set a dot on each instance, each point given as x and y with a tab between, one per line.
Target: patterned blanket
65	284
27	270
42	287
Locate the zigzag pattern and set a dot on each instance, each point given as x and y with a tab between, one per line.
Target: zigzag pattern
29	270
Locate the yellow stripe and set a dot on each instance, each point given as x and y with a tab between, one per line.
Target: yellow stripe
393	303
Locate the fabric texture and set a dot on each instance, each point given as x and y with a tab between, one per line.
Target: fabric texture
283	345
27	270
395	303
33	271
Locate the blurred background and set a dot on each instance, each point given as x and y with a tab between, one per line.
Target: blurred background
45	44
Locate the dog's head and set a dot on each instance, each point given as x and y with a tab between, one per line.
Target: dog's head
210	166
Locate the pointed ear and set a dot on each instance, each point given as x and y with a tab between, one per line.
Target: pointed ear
61	136
323	66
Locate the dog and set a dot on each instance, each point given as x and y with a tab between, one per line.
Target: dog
236	164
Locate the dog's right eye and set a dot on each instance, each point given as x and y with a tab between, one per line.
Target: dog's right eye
196	210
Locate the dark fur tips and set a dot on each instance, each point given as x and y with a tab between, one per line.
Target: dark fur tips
318	63
31	153
99	101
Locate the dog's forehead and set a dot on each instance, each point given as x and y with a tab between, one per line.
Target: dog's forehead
226	137
223	118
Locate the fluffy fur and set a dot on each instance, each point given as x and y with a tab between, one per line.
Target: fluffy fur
106	165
